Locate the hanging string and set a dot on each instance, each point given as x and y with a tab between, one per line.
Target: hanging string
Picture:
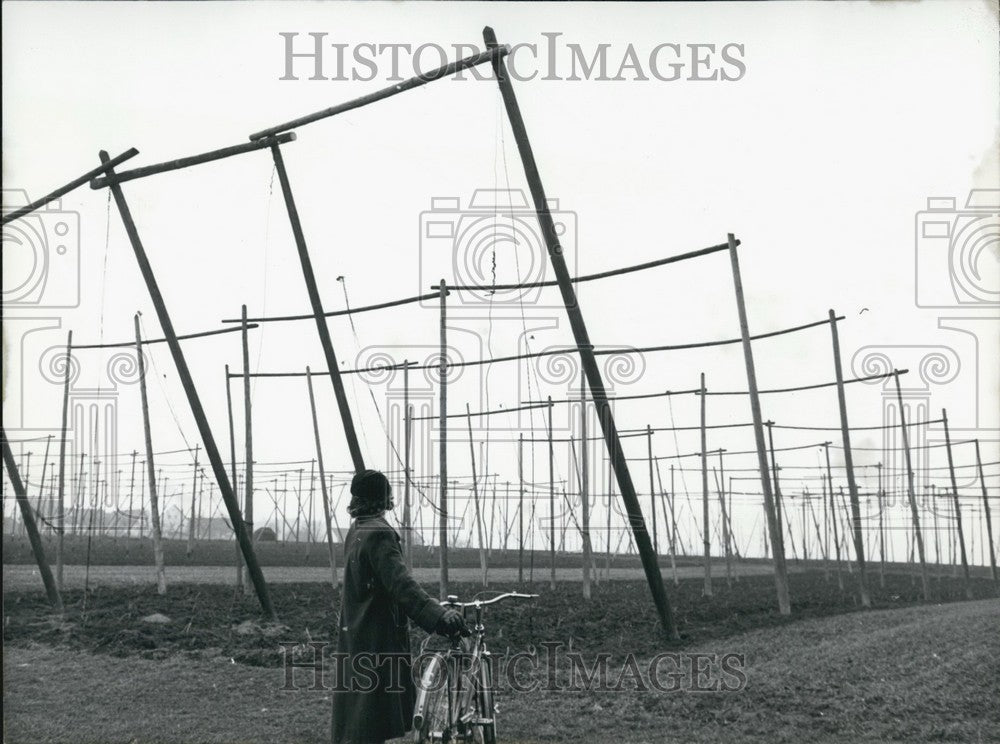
267	242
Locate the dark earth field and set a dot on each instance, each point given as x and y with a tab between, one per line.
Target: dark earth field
902	672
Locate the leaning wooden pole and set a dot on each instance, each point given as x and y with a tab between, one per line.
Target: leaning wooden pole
30	527
778	547
652	489
327	511
911	494
582	339
443	446
986	514
154	504
958	511
61	504
187	382
317	306
852	485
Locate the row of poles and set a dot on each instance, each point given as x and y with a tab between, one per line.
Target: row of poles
242	523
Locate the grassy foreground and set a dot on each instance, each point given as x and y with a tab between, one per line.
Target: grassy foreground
913	674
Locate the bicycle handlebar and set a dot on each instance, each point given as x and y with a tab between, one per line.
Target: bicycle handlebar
452	600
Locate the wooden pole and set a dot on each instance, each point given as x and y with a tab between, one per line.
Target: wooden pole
673	528
588	553
187	382
706	527
914	514
986	512
520	509
154	507
552	503
407	422
248	491
834	518
61	504
668	509
41	481
582	339
778	505
475	496
881	527
194	502
726	537
780	572
51	589
232	465
958	511
317	307
852	486
443	447
652	490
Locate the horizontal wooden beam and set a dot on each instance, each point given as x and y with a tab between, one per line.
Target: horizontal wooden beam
414	82
63	190
205	157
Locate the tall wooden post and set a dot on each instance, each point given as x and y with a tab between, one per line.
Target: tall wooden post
706	525
552	502
914	514
520	509
780	572
232	465
194	502
778	506
30	528
652	489
443	447
61	504
154	506
673	528
317	306
726	537
852	486
986	514
834	518
475	496
187	382
588	554
407	422
958	511
582	339
247	427
881	527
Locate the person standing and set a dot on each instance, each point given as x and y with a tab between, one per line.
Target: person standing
374	697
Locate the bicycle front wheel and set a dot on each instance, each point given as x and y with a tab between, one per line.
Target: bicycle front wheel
485	726
430	714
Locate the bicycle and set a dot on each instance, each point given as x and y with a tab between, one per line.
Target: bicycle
455	701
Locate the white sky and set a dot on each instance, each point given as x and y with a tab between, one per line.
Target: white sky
849	116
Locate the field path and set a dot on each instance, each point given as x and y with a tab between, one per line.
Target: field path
915	674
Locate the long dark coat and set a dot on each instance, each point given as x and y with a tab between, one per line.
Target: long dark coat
373	698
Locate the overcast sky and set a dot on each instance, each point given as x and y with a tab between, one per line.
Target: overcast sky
840	122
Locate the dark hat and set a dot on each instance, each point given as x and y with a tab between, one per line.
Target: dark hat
371	493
